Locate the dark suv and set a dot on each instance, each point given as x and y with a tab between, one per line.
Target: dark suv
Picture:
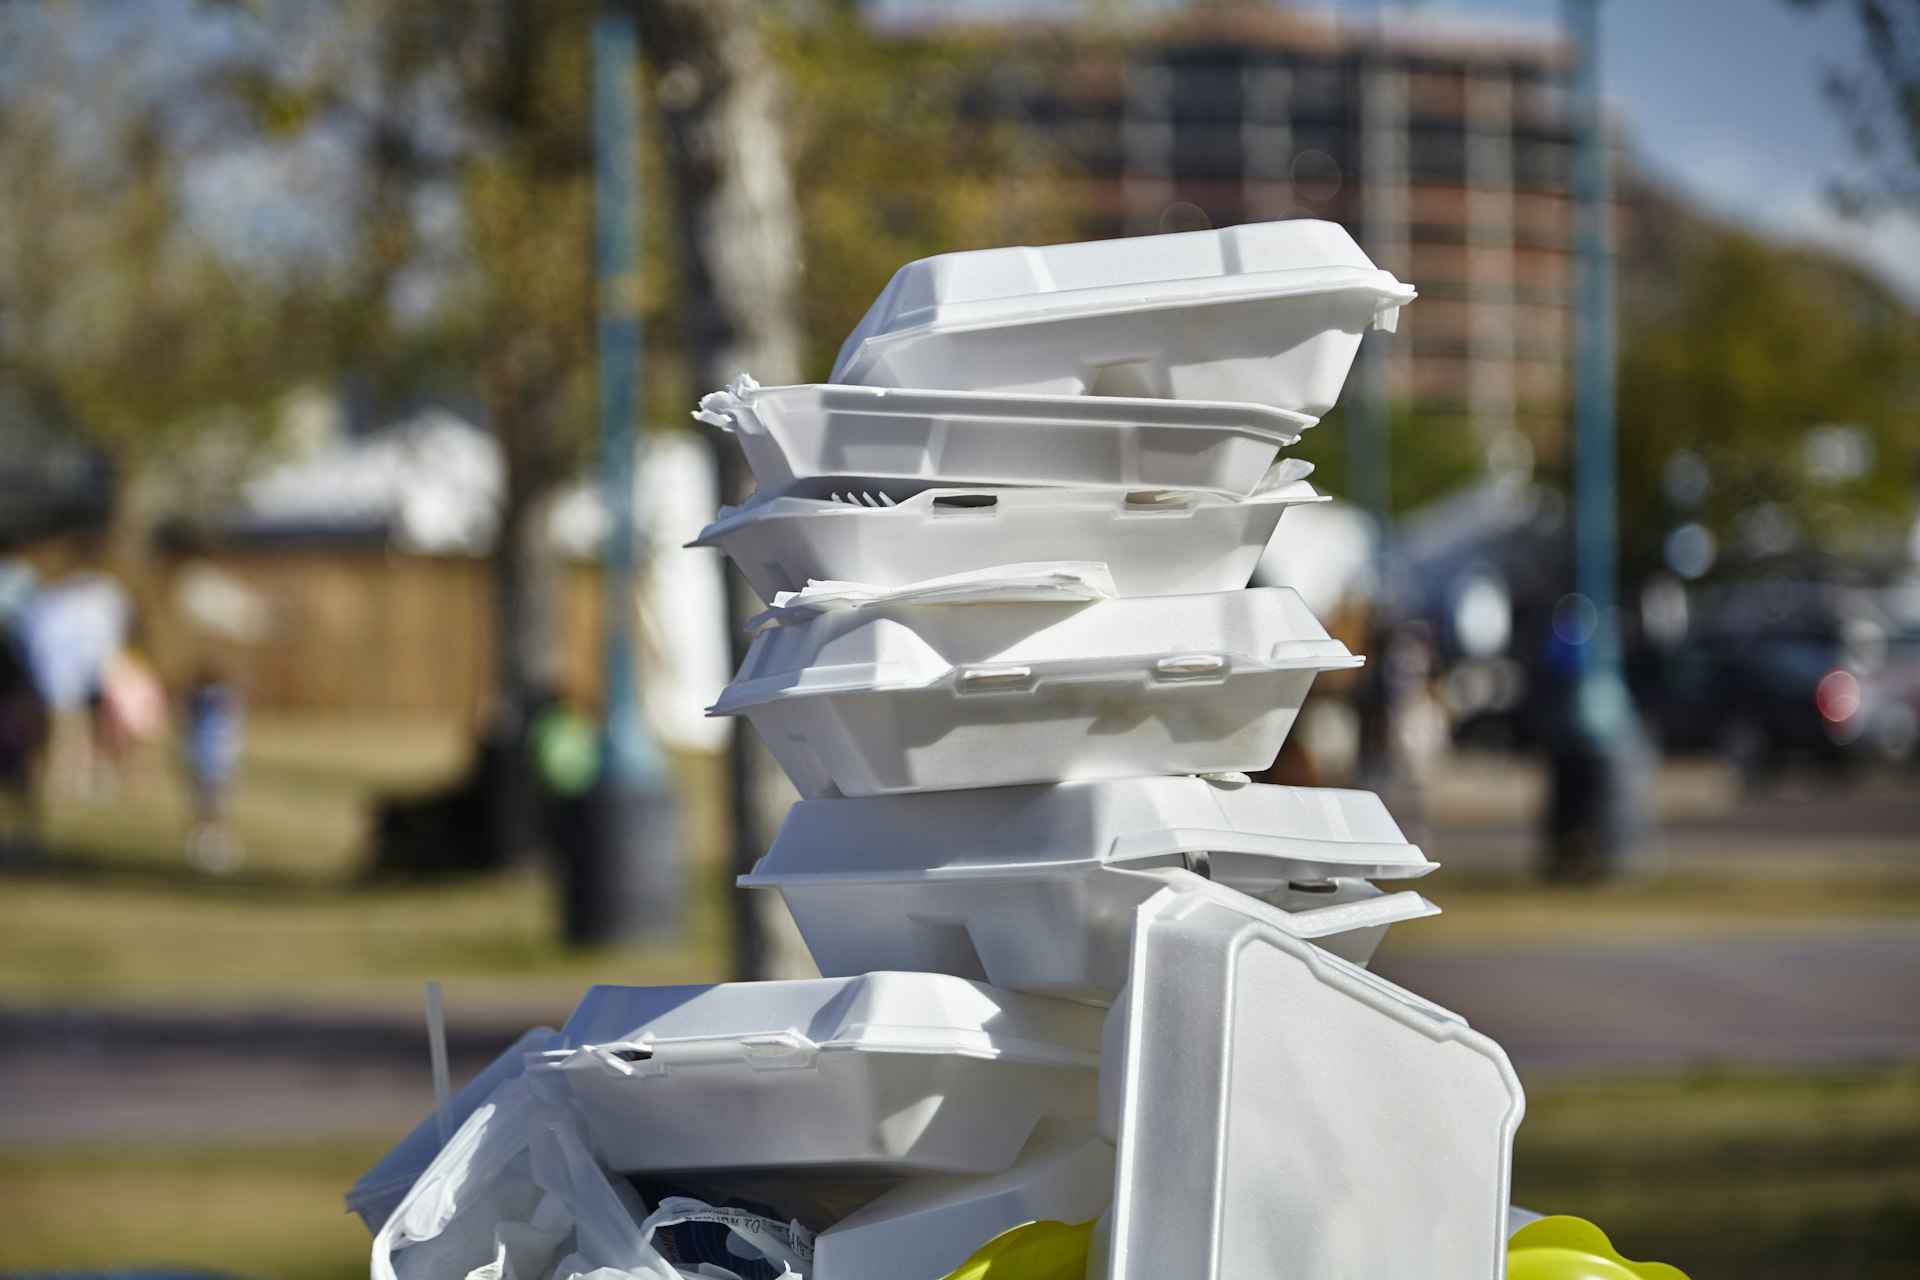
1769	674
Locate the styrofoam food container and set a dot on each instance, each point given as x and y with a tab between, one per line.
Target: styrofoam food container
1254	833
1059	932
1155	541
885	1073
818	439
936	697
925	1228
1347	1127
1032	888
1270	313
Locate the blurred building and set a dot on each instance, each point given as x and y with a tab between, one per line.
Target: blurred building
1443	144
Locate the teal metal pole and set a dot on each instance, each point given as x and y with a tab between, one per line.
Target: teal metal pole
1370	442
1599	819
629	755
622	854
1602	696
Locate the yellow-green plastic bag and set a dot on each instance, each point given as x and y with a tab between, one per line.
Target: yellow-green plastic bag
1559	1248
1567	1248
1036	1251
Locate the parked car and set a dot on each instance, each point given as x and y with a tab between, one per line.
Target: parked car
1774	671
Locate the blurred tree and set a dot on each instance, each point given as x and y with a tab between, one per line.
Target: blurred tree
1735	354
469	249
120	319
737	226
441	150
905	147
1434	452
873	133
1880	103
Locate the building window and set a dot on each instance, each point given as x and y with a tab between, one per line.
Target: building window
1437	151
1206	87
1540	162
1206	150
1319	93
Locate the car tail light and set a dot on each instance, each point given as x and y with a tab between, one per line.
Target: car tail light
1837	696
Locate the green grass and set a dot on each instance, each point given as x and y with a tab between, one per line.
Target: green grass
119	943
117	915
301	804
1488	913
1729	1176
1734	1175
264	1214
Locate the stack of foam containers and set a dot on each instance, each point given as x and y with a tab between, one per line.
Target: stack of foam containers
1015	671
1077	968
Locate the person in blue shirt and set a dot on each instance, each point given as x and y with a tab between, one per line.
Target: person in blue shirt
215	724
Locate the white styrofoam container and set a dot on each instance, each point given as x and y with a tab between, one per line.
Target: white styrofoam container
925	1228
885	1073
1055	931
1345	1127
1034	888
1154	542
1255	834
818	439
937	697
1270	313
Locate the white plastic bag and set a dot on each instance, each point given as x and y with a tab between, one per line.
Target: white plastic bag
518	1184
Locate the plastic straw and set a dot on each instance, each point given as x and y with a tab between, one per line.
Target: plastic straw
437	1046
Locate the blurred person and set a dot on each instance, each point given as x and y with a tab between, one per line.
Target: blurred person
18	580
23	743
1324	748
1404	725
129	707
215	728
68	633
1329	555
1418	719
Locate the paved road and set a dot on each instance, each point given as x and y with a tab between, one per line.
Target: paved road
1480	815
1820	999
78	1076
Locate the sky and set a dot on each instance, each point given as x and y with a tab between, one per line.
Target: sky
1721	101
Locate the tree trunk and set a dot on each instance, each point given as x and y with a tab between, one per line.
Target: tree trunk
720	98
523	382
738	222
523	396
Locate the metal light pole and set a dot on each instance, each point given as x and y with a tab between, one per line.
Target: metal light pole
1369	406
624	864
1596	536
1598	807
1382	141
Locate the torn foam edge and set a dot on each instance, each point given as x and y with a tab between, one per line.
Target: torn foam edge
717	408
